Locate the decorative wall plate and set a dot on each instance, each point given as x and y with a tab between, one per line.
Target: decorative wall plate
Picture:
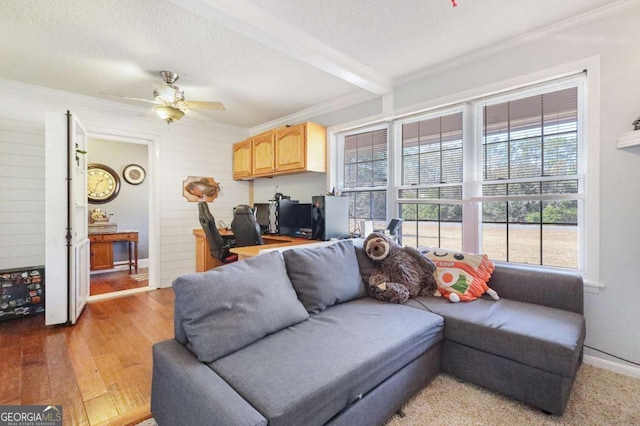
199	188
134	174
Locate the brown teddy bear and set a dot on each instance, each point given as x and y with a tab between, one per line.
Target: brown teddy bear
401	273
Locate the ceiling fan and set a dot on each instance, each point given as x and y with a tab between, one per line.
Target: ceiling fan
169	101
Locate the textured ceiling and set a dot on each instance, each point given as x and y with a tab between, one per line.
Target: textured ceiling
97	47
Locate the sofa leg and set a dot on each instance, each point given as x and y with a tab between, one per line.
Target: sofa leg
401	413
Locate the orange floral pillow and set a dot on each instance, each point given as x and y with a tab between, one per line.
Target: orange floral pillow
461	276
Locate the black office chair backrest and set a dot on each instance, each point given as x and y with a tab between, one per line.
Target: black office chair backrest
246	230
215	240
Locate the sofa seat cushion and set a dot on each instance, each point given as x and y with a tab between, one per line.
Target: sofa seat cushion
307	373
538	336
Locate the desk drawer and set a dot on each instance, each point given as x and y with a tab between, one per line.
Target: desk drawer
129	236
107	238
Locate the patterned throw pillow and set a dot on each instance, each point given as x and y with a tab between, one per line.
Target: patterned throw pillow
460	273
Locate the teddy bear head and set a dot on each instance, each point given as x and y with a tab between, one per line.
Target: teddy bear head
379	246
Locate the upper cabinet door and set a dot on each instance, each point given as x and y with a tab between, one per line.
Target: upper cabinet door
242	159
291	149
263	154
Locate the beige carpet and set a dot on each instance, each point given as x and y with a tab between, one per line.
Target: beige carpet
599	398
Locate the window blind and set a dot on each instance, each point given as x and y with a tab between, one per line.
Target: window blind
365	159
530	145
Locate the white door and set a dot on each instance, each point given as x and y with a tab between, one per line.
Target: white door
67	248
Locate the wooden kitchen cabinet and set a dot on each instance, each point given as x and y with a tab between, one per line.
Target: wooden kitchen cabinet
301	148
292	149
263	154
242	159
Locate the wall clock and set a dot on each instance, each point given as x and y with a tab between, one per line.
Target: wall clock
103	183
134	174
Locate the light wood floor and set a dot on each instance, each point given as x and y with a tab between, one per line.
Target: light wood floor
108	282
99	370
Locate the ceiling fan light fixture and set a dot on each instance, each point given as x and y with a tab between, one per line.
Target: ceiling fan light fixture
169	94
169	113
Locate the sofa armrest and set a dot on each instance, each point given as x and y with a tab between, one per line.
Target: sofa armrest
539	285
186	391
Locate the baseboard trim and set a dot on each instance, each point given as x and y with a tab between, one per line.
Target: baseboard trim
142	263
616	367
122	293
132	417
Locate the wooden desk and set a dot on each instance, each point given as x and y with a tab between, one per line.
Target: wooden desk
101	249
251	251
204	260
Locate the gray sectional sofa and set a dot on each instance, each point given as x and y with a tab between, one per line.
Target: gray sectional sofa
292	339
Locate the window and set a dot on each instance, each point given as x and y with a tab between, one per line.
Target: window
431	159
503	174
365	177
532	190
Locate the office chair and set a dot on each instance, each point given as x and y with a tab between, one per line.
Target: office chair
217	246
246	230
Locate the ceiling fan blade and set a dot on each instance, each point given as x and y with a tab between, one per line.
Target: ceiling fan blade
205	105
129	98
150	113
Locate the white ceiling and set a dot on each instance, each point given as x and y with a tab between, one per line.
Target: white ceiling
264	59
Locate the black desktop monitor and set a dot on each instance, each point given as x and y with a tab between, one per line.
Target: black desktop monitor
293	217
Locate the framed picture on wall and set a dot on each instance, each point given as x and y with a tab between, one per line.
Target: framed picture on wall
134	174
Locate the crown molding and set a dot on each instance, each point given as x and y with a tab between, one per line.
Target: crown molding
576	21
57	97
319	109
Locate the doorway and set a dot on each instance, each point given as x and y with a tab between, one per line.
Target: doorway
120	226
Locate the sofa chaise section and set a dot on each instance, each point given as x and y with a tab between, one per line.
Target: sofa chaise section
529	348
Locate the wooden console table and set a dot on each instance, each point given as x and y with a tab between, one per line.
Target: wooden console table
102	249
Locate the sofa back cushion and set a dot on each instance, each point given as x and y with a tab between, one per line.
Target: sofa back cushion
325	276
230	307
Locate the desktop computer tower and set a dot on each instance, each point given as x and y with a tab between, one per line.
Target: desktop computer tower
329	217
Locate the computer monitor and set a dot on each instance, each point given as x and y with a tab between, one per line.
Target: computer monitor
261	210
293	217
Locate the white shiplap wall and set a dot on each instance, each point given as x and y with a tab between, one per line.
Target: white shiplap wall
177	151
195	155
21	194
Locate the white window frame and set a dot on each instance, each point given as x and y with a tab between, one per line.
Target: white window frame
397	169
339	172
477	198
590	216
